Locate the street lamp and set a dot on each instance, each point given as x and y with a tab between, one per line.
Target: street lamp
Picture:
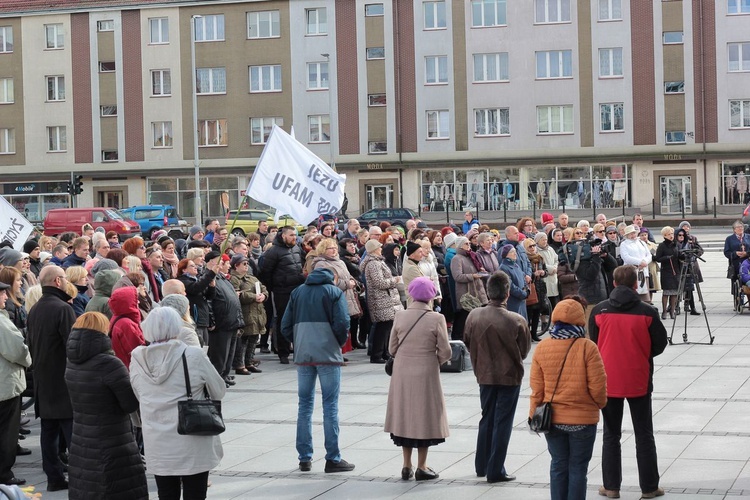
331	120
196	162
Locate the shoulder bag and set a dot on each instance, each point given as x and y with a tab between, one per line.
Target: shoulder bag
198	417
392	359
541	421
468	301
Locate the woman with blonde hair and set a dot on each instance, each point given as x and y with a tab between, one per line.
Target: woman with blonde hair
47	243
33	294
79	277
12	277
104	459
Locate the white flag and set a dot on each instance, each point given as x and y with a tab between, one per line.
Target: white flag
291	179
13	226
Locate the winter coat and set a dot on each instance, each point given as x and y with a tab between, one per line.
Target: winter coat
416	405
488	258
200	293
281	270
48	327
498	341
411	270
732	245
395	264
125	325
81	300
104	458
591	284
666	255
551	261
382	295
253	313
629	334
14	359
158	380
518	289
103	283
567	279
449	254
582	390
17	314
428	266
462	269
633	252
35	265
352	262
344	279
522	259
745	272
226	306
73	260
316	320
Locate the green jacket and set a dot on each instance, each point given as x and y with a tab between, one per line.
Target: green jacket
14	358
253	313
103	284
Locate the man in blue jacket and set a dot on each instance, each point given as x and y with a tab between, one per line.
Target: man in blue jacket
316	320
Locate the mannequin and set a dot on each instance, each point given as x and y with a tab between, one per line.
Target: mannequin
581	192
541	192
432	194
553	197
474	194
741	186
596	190
730	183
607	188
508	190
494	195
458	194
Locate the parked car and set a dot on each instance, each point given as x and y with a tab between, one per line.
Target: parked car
155	217
247	221
60	220
392	215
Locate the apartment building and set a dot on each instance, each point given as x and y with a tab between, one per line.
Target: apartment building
430	104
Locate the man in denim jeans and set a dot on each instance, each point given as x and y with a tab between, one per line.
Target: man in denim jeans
316	320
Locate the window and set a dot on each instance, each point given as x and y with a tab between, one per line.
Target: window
211	80
57	140
319	128
106	25
610	62
317	76
212	133
374	9
374	100
161	82
672	37
490	122
554	119
375	53
610	10
162	133
486	13
7	141
674	87
554	64
260	128
317	21
6	91
263	24
434	15
739	56
377	147
6	39
491	67
738	7
552	11
108	110
437	124
55	88
739	114
209	28
106	66
55	36
265	78
109	155
159	29
611	116
436	69
675	137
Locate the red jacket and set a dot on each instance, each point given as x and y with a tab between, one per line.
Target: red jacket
125	325
629	334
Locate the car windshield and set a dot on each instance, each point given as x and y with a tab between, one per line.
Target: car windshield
113	214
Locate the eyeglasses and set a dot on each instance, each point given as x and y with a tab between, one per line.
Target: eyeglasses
597	232
578	232
532	245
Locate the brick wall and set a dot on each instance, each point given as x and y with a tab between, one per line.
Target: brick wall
346	77
81	87
132	87
708	68
644	99
406	90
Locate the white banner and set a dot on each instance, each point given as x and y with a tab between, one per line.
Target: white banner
291	179
13	226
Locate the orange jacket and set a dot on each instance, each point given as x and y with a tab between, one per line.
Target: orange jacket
583	383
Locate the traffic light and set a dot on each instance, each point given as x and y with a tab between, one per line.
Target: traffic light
78	185
69	188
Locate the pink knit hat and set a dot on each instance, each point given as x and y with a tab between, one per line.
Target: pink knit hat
422	289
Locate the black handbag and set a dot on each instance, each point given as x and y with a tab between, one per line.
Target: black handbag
541	420
392	359
198	417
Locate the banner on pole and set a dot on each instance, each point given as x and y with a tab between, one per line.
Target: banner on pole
13	226
294	181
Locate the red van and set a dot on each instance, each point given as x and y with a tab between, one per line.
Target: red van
60	220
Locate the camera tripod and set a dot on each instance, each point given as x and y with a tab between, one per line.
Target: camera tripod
687	269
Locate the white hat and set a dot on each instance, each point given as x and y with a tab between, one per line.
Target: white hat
630	229
449	239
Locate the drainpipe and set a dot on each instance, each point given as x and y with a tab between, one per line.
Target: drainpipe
703	107
397	84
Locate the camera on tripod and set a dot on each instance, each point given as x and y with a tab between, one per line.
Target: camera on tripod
689	254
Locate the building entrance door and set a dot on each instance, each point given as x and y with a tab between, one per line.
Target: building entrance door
379	196
112	199
676	190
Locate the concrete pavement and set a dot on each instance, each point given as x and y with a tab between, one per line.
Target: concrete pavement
701	408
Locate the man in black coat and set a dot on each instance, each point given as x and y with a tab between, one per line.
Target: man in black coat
228	317
281	272
49	325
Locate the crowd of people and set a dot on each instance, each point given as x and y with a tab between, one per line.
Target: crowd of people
88	315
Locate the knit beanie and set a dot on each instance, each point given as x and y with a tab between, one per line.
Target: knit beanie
449	239
569	311
9	257
372	245
179	303
412	247
547	217
505	250
104	265
195	230
30	246
422	289
539	236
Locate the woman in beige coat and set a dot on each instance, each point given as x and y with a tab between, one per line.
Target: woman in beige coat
416	415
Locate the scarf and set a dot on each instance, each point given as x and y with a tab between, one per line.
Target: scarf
562	330
256	251
473	257
172	260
